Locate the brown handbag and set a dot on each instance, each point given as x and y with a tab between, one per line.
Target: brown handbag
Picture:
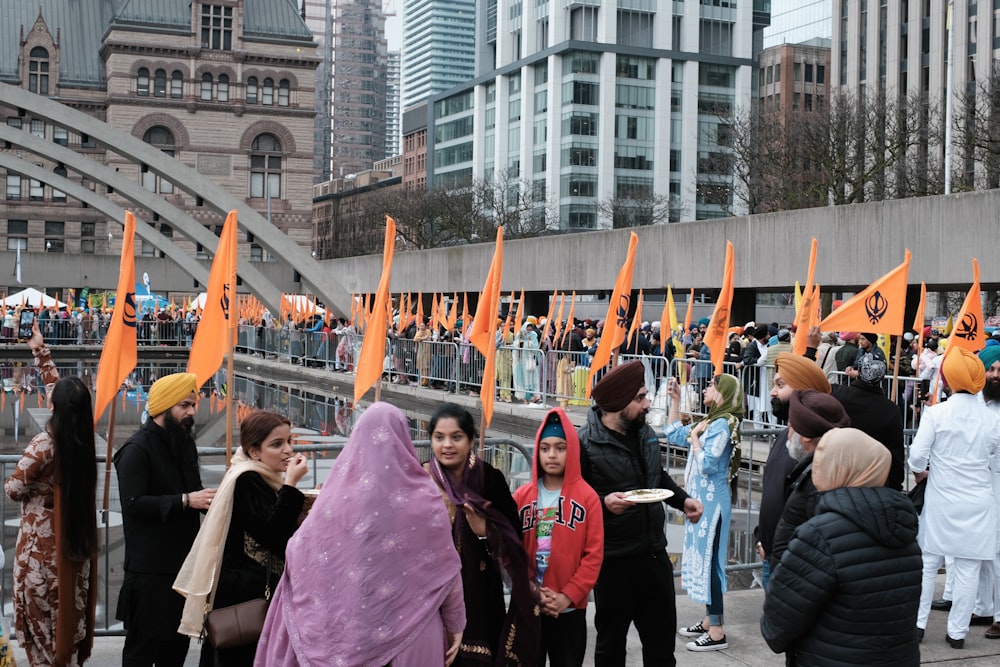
239	624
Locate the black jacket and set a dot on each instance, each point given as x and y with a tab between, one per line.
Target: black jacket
847	589
800	506
772	495
612	462
153	473
870	411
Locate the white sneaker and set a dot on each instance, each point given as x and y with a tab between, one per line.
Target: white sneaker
706	643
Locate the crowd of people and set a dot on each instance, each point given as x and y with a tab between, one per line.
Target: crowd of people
406	564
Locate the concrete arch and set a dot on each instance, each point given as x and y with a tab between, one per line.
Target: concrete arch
215	69
268	127
181	139
255	281
278	244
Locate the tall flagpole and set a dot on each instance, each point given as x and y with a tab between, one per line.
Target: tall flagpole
948	100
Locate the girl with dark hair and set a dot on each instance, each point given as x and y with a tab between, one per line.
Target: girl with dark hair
239	553
55	564
485	528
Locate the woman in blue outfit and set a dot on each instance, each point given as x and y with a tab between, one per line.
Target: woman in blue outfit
711	442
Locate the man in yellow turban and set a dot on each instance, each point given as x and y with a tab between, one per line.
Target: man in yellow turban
162	498
953	449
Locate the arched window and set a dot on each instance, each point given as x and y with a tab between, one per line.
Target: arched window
160	83
58	195
162	138
38	71
142	82
252	90
206	87
283	90
223	88
265	166
267	92
177	84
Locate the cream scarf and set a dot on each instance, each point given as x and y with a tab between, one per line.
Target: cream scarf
199	574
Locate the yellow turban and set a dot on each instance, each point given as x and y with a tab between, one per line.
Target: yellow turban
964	371
170	390
802	373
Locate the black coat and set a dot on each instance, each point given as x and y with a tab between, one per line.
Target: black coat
613	462
847	589
772	495
800	506
872	412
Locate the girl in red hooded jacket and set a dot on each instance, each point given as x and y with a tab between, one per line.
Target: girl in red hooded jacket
562	528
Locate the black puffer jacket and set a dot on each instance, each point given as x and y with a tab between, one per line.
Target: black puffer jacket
611	462
847	589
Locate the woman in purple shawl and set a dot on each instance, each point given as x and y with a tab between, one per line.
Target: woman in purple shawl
486	531
371	577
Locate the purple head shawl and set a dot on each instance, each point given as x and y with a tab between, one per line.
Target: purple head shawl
374	560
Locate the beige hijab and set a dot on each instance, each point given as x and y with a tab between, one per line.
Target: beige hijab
847	457
200	572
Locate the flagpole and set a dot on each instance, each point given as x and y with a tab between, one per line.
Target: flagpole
895	369
229	396
107	462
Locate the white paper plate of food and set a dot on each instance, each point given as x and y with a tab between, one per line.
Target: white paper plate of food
647	495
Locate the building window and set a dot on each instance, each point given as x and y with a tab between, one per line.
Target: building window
284	87
206	87
55	245
38	128
148	249
38	71
252	90
59	195
222	89
162	138
176	84
17	228
60	135
36	191
267	92
15	122
142	82
88	229
55	228
86	246
13	187
216	27
160	83
265	166
256	253
17	243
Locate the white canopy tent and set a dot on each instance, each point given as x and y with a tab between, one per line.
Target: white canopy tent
32	297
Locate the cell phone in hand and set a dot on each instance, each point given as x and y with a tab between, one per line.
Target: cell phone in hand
25	324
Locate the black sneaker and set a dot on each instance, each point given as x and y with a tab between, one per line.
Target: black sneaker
706	643
695	630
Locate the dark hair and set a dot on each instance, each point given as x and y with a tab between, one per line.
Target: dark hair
256	426
452	411
71	428
931	344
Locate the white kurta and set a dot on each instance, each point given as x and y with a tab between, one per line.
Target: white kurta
959	439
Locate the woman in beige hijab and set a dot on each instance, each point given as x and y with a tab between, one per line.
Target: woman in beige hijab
847	588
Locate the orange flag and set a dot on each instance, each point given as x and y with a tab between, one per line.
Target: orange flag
420	309
879	308
968	331
465	308
484	328
404	314
569	318
635	320
214	336
690	310
918	321
666	328
559	319
372	357
806	315
519	318
119	355
717	331
548	318
617	317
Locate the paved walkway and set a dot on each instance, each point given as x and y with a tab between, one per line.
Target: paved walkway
746	646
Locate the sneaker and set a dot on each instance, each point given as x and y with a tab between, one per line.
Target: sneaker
706	643
695	630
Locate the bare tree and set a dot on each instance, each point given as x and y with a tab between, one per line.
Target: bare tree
977	134
639	209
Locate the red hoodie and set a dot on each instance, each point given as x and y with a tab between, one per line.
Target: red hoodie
578	534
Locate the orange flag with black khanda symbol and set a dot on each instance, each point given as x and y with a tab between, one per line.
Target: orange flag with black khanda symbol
617	316
968	331
372	358
879	308
120	352
718	327
213	338
484	328
806	315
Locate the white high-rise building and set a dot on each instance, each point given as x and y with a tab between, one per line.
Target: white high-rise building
798	21
599	101
439	47
393	114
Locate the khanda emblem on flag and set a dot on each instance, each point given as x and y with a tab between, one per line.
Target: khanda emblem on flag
128	310
621	316
968	328
224	301
876	306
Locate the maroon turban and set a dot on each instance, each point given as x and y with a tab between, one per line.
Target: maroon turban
617	389
812	413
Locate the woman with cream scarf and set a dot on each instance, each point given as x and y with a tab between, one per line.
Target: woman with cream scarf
240	549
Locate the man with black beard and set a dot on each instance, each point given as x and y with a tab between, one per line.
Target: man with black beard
162	498
792	373
619	453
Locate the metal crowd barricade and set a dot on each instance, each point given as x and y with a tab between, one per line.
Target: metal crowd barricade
443	369
529	374
566	376
469	364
